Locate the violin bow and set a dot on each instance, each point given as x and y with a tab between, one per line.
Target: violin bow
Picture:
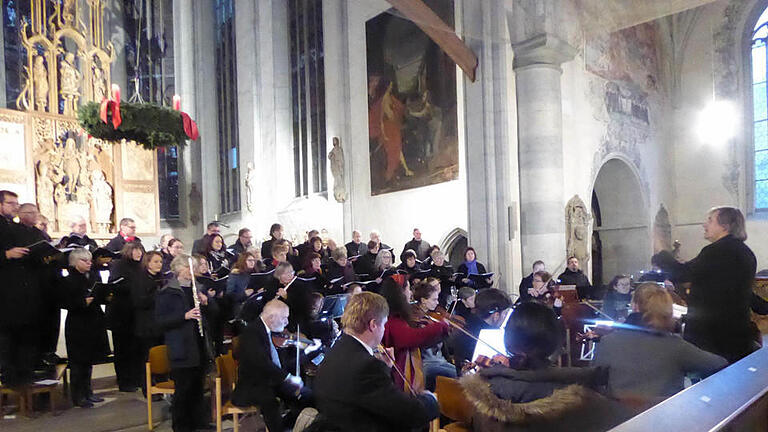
458	327
297	351
399	372
593	307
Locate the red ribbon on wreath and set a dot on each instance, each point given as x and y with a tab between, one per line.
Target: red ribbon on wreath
190	127
112	105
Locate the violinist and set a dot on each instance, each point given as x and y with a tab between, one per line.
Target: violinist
530	394
542	291
491	307
464	303
262	378
404	334
432	357
321	327
618	297
353	386
179	320
646	359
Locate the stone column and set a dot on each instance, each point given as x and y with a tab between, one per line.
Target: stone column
540	140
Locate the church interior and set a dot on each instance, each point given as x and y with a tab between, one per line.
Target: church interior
533	133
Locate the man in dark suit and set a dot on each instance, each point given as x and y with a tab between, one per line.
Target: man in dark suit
354	388
721	278
261	378
127	234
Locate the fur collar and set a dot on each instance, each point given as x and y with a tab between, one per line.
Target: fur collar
486	403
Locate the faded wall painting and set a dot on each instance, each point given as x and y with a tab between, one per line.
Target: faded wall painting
412	120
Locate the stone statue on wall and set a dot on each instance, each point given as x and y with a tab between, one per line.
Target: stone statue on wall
662	231
40	75
44	185
99	84
70	83
101	202
250	188
336	156
71	162
195	204
577	221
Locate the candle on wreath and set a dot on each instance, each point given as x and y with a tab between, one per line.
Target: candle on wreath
177	102
116	93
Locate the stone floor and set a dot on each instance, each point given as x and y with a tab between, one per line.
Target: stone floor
119	412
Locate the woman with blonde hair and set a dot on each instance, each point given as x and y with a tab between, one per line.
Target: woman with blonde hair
647	361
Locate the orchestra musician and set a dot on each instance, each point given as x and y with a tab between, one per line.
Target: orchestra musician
433	359
531	395
618	297
353	387
527	282
464	303
646	360
491	308
262	378
405	335
177	316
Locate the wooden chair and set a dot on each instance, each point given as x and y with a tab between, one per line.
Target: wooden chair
158	364
26	393
227	371
453	404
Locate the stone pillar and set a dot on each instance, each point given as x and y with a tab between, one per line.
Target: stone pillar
540	140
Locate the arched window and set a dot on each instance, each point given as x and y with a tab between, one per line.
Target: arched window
760	111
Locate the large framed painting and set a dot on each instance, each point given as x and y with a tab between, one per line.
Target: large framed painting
412	119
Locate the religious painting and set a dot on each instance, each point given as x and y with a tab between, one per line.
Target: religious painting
629	56
412	119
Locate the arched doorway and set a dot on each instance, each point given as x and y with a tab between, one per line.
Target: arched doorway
453	246
621	227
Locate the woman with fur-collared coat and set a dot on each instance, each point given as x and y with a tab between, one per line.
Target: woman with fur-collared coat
532	396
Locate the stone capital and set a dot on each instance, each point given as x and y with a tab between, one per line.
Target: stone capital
543	49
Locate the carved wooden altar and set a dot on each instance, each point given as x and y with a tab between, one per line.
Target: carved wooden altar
45	154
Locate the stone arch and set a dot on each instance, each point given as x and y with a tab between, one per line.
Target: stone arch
623	225
453	245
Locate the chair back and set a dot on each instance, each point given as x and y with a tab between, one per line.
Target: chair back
453	403
158	360
227	370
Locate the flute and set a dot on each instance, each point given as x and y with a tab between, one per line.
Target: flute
195	298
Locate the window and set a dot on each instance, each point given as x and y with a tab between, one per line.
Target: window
308	96
760	112
149	64
15	56
226	82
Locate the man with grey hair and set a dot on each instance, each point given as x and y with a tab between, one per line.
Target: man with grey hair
356	247
721	279
77	236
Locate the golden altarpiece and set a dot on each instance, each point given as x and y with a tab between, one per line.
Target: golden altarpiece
45	154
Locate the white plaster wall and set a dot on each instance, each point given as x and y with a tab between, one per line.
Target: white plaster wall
699	167
435	209
588	143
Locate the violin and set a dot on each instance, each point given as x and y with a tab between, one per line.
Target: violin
381	351
441	314
288	339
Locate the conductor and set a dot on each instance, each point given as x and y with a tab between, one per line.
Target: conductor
721	279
